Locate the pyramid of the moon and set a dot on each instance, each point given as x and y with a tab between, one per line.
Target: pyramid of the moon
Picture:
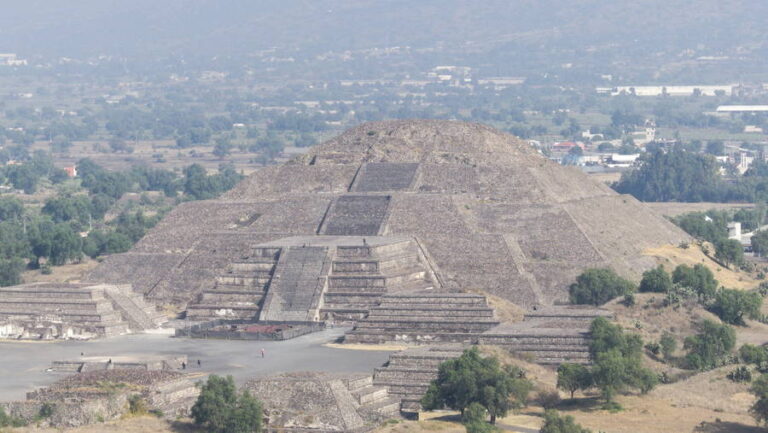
474	209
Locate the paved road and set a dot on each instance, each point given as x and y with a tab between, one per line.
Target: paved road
23	365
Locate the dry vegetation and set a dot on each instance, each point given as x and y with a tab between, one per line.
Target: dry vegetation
671	256
142	424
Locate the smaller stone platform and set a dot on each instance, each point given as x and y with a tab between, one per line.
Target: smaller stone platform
323	402
550	335
122	362
425	317
408	373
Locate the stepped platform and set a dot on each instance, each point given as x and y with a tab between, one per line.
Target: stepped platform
425	317
122	362
356	215
408	373
385	176
239	291
296	288
551	335
323	402
52	310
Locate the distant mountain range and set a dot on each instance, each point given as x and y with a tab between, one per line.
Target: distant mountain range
474	29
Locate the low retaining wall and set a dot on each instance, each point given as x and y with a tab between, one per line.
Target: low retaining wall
238	332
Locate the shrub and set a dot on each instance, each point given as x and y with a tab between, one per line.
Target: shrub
597	286
137	405
740	374
548	399
573	377
751	354
554	423
698	278
656	280
732	305
710	347
221	409
653	347
668	345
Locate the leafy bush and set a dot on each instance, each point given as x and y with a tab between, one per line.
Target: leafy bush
668	345
740	374
710	347
573	377
656	280
221	409
554	423
697	278
472	378
597	286
732	305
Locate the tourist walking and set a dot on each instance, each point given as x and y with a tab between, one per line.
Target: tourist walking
262	352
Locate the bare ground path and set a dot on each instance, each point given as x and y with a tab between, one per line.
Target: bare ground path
23	365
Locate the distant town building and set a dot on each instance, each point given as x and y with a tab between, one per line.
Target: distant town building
71	171
726	89
742	109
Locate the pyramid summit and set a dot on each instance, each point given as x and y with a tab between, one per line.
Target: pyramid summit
391	207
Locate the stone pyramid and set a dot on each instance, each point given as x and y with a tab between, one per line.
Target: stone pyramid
486	211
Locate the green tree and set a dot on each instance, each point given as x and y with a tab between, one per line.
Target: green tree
573	377
597	286
656	280
729	251
697	278
221	409
759	409
759	242
617	360
732	305
11	209
710	346
474	419
676	175
751	354
668	345
10	271
472	378
554	423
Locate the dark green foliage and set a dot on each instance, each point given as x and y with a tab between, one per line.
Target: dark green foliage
11	209
10	421
697	225
760	242
732	305
597	286
668	344
759	409
200	186
554	423
10	271
573	377
472	378
740	374
617	360
221	409
709	348
697	278
656	280
673	176
752	354
729	251
75	208
473	419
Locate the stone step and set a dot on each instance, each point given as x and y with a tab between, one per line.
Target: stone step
242	280
430	311
256	267
404	374
357	282
24	294
429	322
361	382
220	296
265	253
409	336
370	394
389	407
